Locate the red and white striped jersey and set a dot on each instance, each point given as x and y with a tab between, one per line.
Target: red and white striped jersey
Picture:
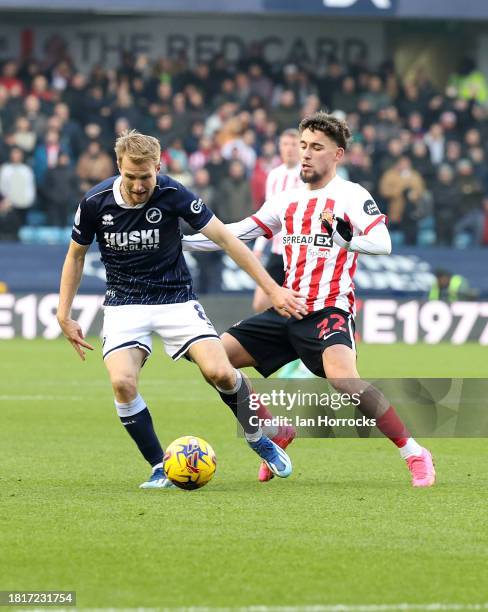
279	179
315	266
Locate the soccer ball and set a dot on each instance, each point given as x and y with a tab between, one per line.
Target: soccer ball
189	462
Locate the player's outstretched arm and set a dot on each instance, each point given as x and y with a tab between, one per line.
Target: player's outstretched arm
285	301
246	230
70	281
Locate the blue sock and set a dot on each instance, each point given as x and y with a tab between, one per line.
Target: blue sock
136	419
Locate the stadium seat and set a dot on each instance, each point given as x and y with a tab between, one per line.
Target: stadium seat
463	240
44	234
35	218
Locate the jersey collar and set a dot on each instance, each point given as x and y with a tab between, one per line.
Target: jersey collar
118	196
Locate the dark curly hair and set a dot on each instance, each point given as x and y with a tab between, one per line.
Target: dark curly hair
336	129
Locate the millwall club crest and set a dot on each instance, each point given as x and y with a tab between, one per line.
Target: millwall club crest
154	215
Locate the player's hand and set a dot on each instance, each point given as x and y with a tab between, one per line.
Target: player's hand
288	303
73	333
339	229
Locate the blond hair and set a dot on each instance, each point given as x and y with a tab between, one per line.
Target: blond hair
138	147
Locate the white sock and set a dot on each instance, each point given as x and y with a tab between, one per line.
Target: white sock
255	436
131	408
410	449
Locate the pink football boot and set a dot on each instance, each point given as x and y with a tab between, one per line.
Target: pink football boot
422	469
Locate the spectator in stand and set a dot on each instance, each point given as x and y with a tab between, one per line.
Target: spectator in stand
345	98
181	120
268	160
219	118
32	111
10	221
403	189
241	148
40	89
446	197
471	189
286	111
94	166
71	132
415	125
331	81
259	84
46	154
234	194
193	139
210	268
17	183
453	153
472	138
477	157
9	77
177	152
449	121
419	154
6	145
5	115
60	76
376	95
217	168
179	173
394	151
165	131
227	93
359	167
74	97
60	192
388	125
200	157
242	89
469	82
124	106
24	136
436	143
410	101
259	125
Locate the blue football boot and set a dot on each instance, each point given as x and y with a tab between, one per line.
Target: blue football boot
275	457
158	480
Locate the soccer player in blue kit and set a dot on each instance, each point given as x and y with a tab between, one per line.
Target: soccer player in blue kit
135	219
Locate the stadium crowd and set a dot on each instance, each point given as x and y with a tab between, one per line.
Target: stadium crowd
420	151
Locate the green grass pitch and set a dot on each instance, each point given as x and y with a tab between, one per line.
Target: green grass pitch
346	528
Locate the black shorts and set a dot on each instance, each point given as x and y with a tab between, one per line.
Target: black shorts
274	341
276	268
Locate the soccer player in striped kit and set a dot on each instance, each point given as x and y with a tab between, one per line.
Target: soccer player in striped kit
283	177
325	226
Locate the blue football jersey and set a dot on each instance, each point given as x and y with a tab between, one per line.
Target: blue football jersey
140	245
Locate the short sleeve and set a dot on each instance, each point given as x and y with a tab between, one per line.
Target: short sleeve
192	209
362	211
84	227
268	216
